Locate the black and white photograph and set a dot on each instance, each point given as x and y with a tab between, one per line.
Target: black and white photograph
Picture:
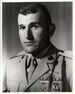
37	51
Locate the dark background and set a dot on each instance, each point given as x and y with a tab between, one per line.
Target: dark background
61	14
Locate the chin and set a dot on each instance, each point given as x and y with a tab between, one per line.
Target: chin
30	50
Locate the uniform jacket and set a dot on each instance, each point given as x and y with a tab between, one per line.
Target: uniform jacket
53	73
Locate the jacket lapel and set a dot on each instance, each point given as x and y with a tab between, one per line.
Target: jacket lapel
40	70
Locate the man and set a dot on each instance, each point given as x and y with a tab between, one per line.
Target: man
41	67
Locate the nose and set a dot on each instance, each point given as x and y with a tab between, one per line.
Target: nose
28	33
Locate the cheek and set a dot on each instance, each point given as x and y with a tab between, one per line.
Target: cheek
38	34
21	35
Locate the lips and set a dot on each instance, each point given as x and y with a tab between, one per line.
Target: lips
30	43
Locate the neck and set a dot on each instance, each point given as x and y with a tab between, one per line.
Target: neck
37	53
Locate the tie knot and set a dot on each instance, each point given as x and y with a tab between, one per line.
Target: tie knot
31	61
35	62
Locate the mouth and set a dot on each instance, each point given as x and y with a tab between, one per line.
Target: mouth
29	43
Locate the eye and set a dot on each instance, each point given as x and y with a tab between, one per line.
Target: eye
35	26
21	27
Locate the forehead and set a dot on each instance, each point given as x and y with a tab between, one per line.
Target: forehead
32	17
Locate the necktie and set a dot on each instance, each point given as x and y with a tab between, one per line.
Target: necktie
31	65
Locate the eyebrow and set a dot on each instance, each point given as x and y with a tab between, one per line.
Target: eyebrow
21	25
32	23
35	23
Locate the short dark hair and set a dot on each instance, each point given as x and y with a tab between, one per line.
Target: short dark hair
33	8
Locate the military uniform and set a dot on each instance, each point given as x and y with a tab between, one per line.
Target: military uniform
53	73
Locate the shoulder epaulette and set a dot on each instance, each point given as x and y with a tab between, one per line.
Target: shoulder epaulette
67	54
22	53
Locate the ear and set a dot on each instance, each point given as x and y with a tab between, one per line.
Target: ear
52	29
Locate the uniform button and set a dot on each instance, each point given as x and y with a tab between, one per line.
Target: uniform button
20	61
57	87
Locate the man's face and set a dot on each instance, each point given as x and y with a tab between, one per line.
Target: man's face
32	32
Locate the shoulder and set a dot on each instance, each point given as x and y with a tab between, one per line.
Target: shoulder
67	54
68	59
15	63
14	60
17	56
20	54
